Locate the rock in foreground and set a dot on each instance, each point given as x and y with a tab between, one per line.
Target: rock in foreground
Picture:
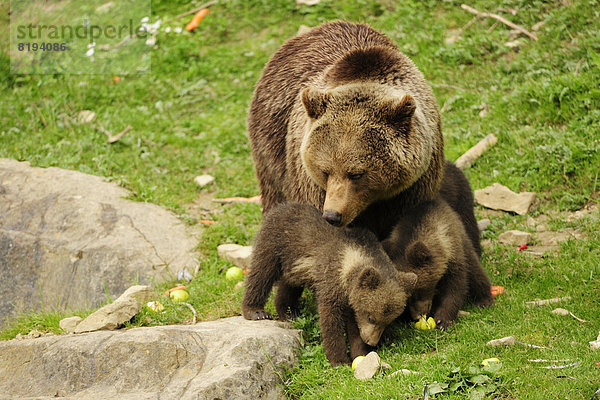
225	359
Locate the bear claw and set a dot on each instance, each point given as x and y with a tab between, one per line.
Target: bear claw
258	315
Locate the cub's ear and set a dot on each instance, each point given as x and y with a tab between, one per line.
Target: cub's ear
315	101
408	280
370	278
398	111
418	255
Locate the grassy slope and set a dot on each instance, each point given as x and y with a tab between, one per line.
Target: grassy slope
188	116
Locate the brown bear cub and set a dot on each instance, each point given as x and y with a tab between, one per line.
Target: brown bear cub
431	241
357	288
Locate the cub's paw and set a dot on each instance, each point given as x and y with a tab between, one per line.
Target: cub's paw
443	324
257	315
341	361
289	313
484	302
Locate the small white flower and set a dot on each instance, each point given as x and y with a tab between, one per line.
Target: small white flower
145	19
91	45
90	52
168	29
177	29
151	41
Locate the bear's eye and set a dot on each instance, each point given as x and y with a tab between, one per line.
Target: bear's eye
371	320
355	176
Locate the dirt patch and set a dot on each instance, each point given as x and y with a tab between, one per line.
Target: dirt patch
203	207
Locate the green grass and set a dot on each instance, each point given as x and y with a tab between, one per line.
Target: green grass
188	117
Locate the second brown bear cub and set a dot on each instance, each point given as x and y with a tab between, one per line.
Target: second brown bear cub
357	288
431	241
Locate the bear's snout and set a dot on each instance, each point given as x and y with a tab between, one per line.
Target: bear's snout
333	217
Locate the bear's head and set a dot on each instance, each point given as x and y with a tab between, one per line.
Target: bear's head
365	142
377	301
429	268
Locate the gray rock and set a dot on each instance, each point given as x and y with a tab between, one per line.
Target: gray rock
368	367
514	237
402	371
505	341
499	197
225	359
483	224
115	314
73	237
68	324
203	180
236	254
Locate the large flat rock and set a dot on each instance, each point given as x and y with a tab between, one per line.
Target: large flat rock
230	358
67	238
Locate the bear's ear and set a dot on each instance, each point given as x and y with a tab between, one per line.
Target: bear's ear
399	110
408	280
315	101
370	278
418	255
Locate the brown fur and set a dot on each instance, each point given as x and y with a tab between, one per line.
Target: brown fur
342	120
456	191
431	241
357	287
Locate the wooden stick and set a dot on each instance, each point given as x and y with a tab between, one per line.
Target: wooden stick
548	301
501	19
229	200
476	151
194	11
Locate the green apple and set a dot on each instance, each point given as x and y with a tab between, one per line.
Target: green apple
234	274
425	323
179	295
357	361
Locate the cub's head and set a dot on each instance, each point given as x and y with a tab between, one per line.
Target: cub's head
364	143
378	300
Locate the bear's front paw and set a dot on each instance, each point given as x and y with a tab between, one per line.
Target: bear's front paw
337	363
485	302
443	324
257	315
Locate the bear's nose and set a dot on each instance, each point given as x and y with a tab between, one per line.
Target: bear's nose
333	217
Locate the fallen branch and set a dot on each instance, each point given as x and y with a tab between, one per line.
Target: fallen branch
188	305
229	200
476	151
549	301
501	19
563	312
111	138
553	366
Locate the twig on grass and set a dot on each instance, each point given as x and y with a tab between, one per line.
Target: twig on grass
554	366
548	301
194	11
229	200
564	312
499	18
476	151
111	138
188	305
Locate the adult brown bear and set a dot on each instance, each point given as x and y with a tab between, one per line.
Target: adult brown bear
342	120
